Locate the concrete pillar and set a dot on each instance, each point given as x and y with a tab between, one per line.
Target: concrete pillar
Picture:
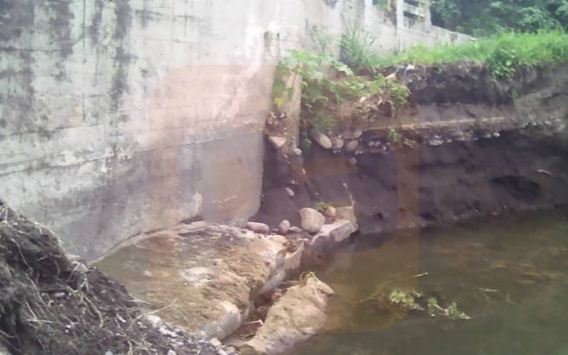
399	13
427	13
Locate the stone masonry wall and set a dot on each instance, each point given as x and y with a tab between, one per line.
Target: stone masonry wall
124	116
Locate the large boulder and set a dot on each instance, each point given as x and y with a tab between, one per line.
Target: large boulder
312	220
332	235
298	315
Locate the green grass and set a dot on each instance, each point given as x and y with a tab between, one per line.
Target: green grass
503	54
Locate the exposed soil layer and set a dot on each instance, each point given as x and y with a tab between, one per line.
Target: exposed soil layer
473	147
468	83
426	185
50	304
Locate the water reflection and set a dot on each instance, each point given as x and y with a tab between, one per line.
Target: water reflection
508	274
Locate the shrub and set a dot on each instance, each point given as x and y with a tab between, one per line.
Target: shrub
357	49
327	82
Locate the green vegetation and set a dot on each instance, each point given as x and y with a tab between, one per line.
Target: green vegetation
488	17
321	207
386	5
451	312
399	302
305	142
327	82
356	49
503	54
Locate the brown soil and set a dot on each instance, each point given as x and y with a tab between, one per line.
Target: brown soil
516	164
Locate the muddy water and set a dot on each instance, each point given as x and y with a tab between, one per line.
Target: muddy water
509	274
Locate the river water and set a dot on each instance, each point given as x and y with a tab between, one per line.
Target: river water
508	274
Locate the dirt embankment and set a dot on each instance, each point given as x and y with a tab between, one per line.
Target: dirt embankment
466	147
51	304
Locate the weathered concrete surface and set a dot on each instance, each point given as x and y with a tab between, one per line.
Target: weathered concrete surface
118	117
298	315
200	276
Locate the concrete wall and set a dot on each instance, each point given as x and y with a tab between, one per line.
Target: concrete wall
124	116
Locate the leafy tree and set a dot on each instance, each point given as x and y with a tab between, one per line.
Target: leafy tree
487	17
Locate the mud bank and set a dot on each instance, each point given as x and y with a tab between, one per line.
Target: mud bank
466	146
428	185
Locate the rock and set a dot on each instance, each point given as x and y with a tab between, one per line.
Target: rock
351	146
338	143
391	77
3	350
295	229
297	151
290	192
284	227
343	232
274	281
293	260
155	320
353	161
278	238
171	352
435	142
312	220
164	330
277	142
259	228
331	235
331	212
357	134
322	140
347	213
296	316
215	342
